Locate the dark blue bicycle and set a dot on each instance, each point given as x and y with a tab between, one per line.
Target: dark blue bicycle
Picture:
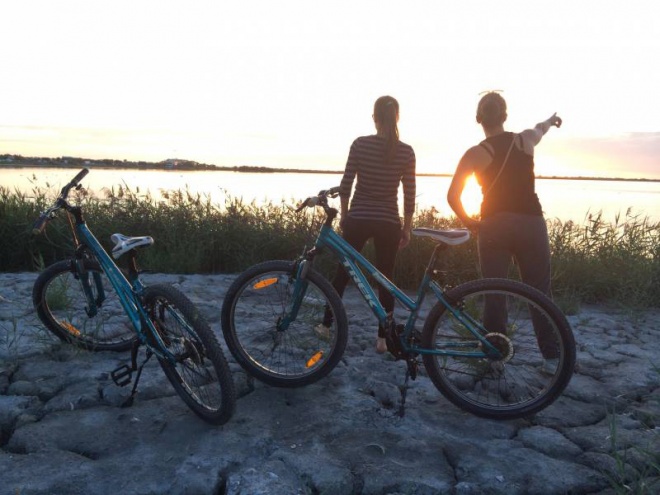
494	347
85	300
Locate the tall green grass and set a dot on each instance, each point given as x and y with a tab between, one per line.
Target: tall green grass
616	262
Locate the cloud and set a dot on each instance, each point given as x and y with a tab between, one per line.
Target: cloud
627	155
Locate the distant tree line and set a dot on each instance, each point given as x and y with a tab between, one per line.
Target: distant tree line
169	164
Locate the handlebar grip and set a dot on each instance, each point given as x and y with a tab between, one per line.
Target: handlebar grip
39	225
74	182
333	192
80	176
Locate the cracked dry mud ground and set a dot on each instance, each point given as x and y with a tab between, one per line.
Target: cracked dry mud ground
62	430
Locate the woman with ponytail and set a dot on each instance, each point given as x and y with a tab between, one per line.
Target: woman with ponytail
378	164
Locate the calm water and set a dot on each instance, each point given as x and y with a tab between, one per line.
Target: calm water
561	198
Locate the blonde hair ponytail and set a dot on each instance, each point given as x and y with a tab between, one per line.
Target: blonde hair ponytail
386	115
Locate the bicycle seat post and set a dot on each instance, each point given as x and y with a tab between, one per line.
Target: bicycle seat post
435	256
133	270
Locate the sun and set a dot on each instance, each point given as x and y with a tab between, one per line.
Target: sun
471	196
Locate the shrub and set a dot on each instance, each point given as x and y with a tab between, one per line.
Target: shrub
595	262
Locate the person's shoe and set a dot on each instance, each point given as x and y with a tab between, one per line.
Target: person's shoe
549	366
322	331
381	345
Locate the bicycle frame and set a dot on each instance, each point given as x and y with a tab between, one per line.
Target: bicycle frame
129	293
356	265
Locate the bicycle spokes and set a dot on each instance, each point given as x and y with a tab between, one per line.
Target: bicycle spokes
282	328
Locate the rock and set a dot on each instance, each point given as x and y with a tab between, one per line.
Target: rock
63	428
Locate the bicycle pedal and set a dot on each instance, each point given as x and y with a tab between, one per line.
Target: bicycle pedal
122	376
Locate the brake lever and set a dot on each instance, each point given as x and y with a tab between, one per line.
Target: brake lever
333	192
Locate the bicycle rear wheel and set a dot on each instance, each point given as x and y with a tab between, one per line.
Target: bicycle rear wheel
535	343
62	306
299	355
200	373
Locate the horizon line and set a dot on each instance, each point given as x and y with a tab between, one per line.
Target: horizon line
192	165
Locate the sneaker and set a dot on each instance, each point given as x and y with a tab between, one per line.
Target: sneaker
549	366
322	331
381	345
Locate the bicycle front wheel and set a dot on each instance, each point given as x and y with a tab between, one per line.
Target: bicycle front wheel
530	342
200	373
302	353
61	297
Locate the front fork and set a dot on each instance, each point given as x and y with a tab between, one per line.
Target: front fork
81	273
96	281
299	273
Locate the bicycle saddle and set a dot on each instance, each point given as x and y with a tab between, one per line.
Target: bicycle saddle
453	237
124	244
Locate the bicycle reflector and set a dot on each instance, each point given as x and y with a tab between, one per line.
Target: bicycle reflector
71	329
267	282
314	359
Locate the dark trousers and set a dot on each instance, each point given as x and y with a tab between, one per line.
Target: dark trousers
386	236
504	237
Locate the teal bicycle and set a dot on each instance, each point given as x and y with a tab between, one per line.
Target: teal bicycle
85	300
496	348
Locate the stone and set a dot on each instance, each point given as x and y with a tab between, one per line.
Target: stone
63	428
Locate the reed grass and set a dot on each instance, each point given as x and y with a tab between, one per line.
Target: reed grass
635	468
594	262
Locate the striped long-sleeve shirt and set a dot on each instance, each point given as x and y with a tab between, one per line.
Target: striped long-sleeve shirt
377	186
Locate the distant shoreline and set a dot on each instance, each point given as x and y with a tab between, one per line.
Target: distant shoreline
174	165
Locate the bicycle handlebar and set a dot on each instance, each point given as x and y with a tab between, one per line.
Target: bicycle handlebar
320	199
43	219
74	183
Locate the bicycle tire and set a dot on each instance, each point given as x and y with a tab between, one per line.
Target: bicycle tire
60	303
201	374
298	356
514	385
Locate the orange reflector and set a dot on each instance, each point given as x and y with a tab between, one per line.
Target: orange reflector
262	284
314	359
71	329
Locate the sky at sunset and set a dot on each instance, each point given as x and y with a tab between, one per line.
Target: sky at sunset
292	83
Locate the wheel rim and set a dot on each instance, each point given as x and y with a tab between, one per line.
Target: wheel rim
296	351
192	369
65	301
516	380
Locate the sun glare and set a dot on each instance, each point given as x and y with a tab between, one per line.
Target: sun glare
471	196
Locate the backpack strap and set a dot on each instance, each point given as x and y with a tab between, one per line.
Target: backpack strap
488	147
506	159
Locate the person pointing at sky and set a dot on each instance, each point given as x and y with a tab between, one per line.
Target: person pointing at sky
512	225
